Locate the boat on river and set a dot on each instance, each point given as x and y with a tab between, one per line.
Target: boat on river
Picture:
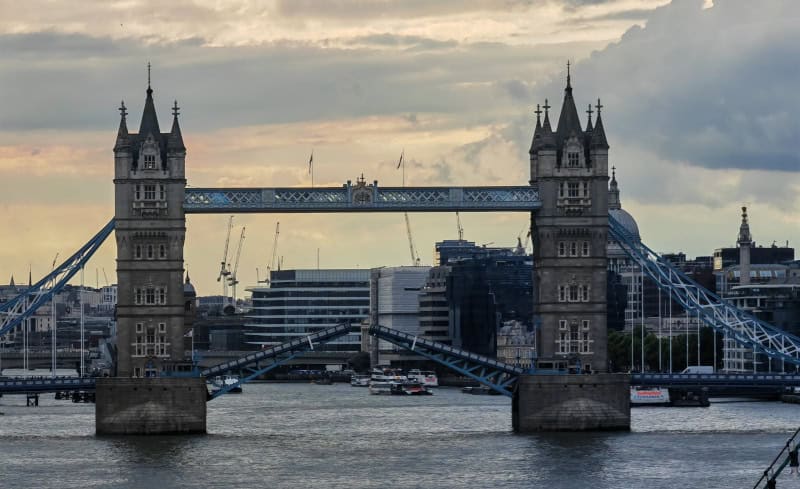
649	396
424	377
377	387
225	381
409	389
360	380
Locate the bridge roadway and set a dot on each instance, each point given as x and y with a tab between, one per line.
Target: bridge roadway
41	359
744	385
722	384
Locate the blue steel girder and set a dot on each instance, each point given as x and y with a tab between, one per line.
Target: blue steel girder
254	372
720	314
496	375
275	353
21	307
58	384
361	198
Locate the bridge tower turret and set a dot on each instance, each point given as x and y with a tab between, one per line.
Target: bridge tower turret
569	166
149	183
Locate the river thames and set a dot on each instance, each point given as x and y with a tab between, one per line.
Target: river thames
304	435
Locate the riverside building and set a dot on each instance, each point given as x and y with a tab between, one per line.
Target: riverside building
300	302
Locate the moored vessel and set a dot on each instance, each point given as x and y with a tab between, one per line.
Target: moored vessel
425	377
649	396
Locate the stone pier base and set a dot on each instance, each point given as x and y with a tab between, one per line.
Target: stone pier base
590	402
150	406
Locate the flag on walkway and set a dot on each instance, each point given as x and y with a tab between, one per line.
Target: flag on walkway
190	334
311	161
399	163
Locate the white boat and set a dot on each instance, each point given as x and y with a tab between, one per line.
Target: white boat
381	387
225	381
386	374
649	396
424	377
360	380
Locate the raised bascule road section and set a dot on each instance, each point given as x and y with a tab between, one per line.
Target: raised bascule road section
157	388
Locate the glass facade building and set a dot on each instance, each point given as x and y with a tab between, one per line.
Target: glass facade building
300	302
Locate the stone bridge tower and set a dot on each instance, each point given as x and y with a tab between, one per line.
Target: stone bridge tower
570	168
149	183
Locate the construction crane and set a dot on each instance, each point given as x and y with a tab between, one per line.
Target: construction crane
460	229
232	280
271	265
415	261
223	271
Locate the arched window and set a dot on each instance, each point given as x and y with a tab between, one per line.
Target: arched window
162	251
149	252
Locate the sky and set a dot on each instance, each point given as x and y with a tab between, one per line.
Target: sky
700	108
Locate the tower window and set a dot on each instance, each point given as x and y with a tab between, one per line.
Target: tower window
137	251
162	192
162	295
573	293
562	248
561	190
137	296
572	190
149	162
585	248
573	159
585	186
137	192
562	293
149	192
149	252
150	296
573	248
162	251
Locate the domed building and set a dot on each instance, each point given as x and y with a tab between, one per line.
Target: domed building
618	261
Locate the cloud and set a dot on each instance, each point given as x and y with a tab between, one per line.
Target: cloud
711	87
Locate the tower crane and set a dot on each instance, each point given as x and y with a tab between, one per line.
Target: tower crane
415	261
460	229
271	265
223	271
232	279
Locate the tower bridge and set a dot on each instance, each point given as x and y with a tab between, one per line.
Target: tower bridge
568	203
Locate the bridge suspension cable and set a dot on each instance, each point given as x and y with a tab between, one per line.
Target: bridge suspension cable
716	312
21	307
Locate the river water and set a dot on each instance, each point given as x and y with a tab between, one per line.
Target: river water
315	436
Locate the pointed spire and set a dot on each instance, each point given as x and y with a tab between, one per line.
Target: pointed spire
569	123
744	238
537	132
11	283
175	141
30	276
598	133
548	142
123	141
149	123
589	113
569	85
613	191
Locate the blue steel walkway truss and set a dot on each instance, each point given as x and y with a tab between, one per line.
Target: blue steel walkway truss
714	311
277	355
361	198
498	376
21	307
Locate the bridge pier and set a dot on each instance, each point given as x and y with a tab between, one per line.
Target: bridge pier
150	406
592	402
